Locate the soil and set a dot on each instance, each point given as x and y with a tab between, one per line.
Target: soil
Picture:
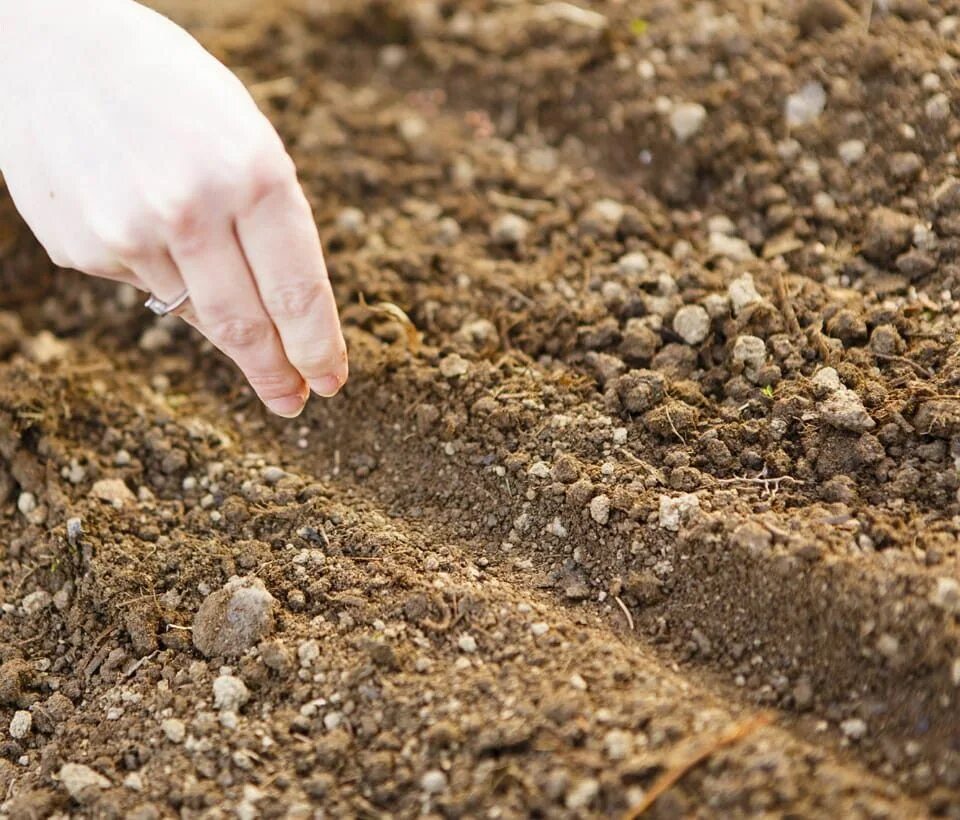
645	437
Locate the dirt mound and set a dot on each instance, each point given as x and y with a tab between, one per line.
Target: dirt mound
670	443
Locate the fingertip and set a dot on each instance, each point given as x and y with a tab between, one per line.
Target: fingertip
327	386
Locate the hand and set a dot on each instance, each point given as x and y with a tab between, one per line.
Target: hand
134	155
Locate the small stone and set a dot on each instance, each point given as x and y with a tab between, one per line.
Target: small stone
602	218
229	693
234	618
114	491
633	264
848	326
886	340
806	105
678	510
81	781
174	729
351	221
803	694
732	247
308	652
826	381
20	724
844	410
600	509
453	366
851	151
854	728
36	602
945	595
905	165
155	338
467	643
752	537
539	629
937	107
582	794
509	230
888	233
26	503
44	348
433	782
742	293
617	744
750	352
687	119
692	324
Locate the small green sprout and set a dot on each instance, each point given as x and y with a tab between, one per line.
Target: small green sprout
639	27
768	391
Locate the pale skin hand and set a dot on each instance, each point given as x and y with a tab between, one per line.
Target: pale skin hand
134	155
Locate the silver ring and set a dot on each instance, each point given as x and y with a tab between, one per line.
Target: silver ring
161	308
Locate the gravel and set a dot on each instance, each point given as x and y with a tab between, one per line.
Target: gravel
806	105
678	510
692	324
633	264
174	729
114	491
600	509
509	230
687	119
742	293
433	782
234	618
80	781
20	724
230	693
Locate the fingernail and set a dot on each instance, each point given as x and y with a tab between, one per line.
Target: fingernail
289	406
326	386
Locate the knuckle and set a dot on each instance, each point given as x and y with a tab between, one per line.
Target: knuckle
240	333
295	300
321	358
269	172
275	385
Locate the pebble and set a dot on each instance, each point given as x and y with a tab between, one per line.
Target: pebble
467	643
618	744
234	618
946	594
113	491
751	352
687	119
888	232
602	217
80	780
155	338
453	366
851	151
307	652
44	348
692	324
539	628
675	511
844	410
937	107
732	247
582	794
509	230
20	724
633	264
174	729
26	503
805	105
600	509
854	728
36	602
229	693
433	782
742	293
826	381
351	221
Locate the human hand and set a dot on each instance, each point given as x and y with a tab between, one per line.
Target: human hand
133	154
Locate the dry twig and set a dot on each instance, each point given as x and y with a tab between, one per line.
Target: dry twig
701	751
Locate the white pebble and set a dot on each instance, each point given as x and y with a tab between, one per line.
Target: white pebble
433	782
686	119
851	151
467	643
805	105
600	509
174	729
229	693
20	724
692	324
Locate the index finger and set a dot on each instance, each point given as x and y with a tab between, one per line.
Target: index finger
282	246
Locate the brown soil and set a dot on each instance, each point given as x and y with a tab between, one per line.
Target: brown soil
483	606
